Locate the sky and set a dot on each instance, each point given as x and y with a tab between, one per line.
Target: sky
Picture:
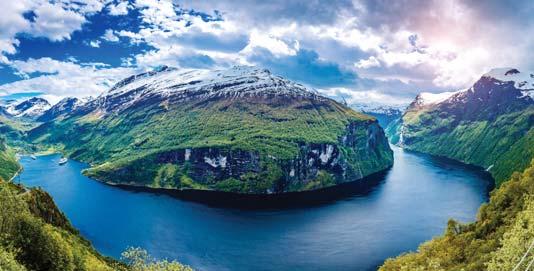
363	51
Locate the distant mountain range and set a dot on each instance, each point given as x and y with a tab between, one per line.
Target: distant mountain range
489	124
383	113
240	130
31	108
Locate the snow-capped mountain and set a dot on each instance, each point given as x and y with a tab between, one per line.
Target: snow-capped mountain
63	107
185	84
488	124
495	90
522	81
31	108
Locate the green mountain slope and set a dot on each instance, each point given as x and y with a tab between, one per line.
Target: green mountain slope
240	130
14	131
488	125
8	163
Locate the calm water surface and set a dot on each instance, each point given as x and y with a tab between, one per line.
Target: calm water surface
409	204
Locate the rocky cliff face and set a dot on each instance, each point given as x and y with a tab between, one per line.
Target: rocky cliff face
362	150
239	130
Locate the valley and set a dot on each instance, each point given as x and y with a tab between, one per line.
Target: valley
364	222
491	125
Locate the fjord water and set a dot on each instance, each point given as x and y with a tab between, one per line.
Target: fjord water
402	208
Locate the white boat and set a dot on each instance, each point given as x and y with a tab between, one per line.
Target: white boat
63	161
33	157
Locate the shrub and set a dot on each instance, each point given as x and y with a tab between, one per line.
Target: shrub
138	259
42	248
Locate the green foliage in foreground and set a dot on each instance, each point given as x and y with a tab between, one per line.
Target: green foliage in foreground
35	235
8	262
502	234
27	241
139	260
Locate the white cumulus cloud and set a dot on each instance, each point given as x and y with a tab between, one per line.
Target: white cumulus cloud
119	9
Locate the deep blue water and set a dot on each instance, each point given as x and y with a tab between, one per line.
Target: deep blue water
409	204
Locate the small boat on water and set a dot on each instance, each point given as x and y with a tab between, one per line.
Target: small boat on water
33	157
63	161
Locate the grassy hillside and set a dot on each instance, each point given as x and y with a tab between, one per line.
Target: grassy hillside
243	125
8	163
502	234
14	130
490	125
128	146
503	144
35	235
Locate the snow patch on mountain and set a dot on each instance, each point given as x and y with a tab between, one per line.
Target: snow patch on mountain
69	103
235	79
31	108
522	80
385	114
64	106
427	98
181	84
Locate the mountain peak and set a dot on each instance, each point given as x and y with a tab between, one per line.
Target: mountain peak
185	84
63	107
30	108
522	80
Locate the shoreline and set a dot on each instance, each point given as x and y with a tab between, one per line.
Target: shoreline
264	201
453	160
284	200
298	201
16	174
